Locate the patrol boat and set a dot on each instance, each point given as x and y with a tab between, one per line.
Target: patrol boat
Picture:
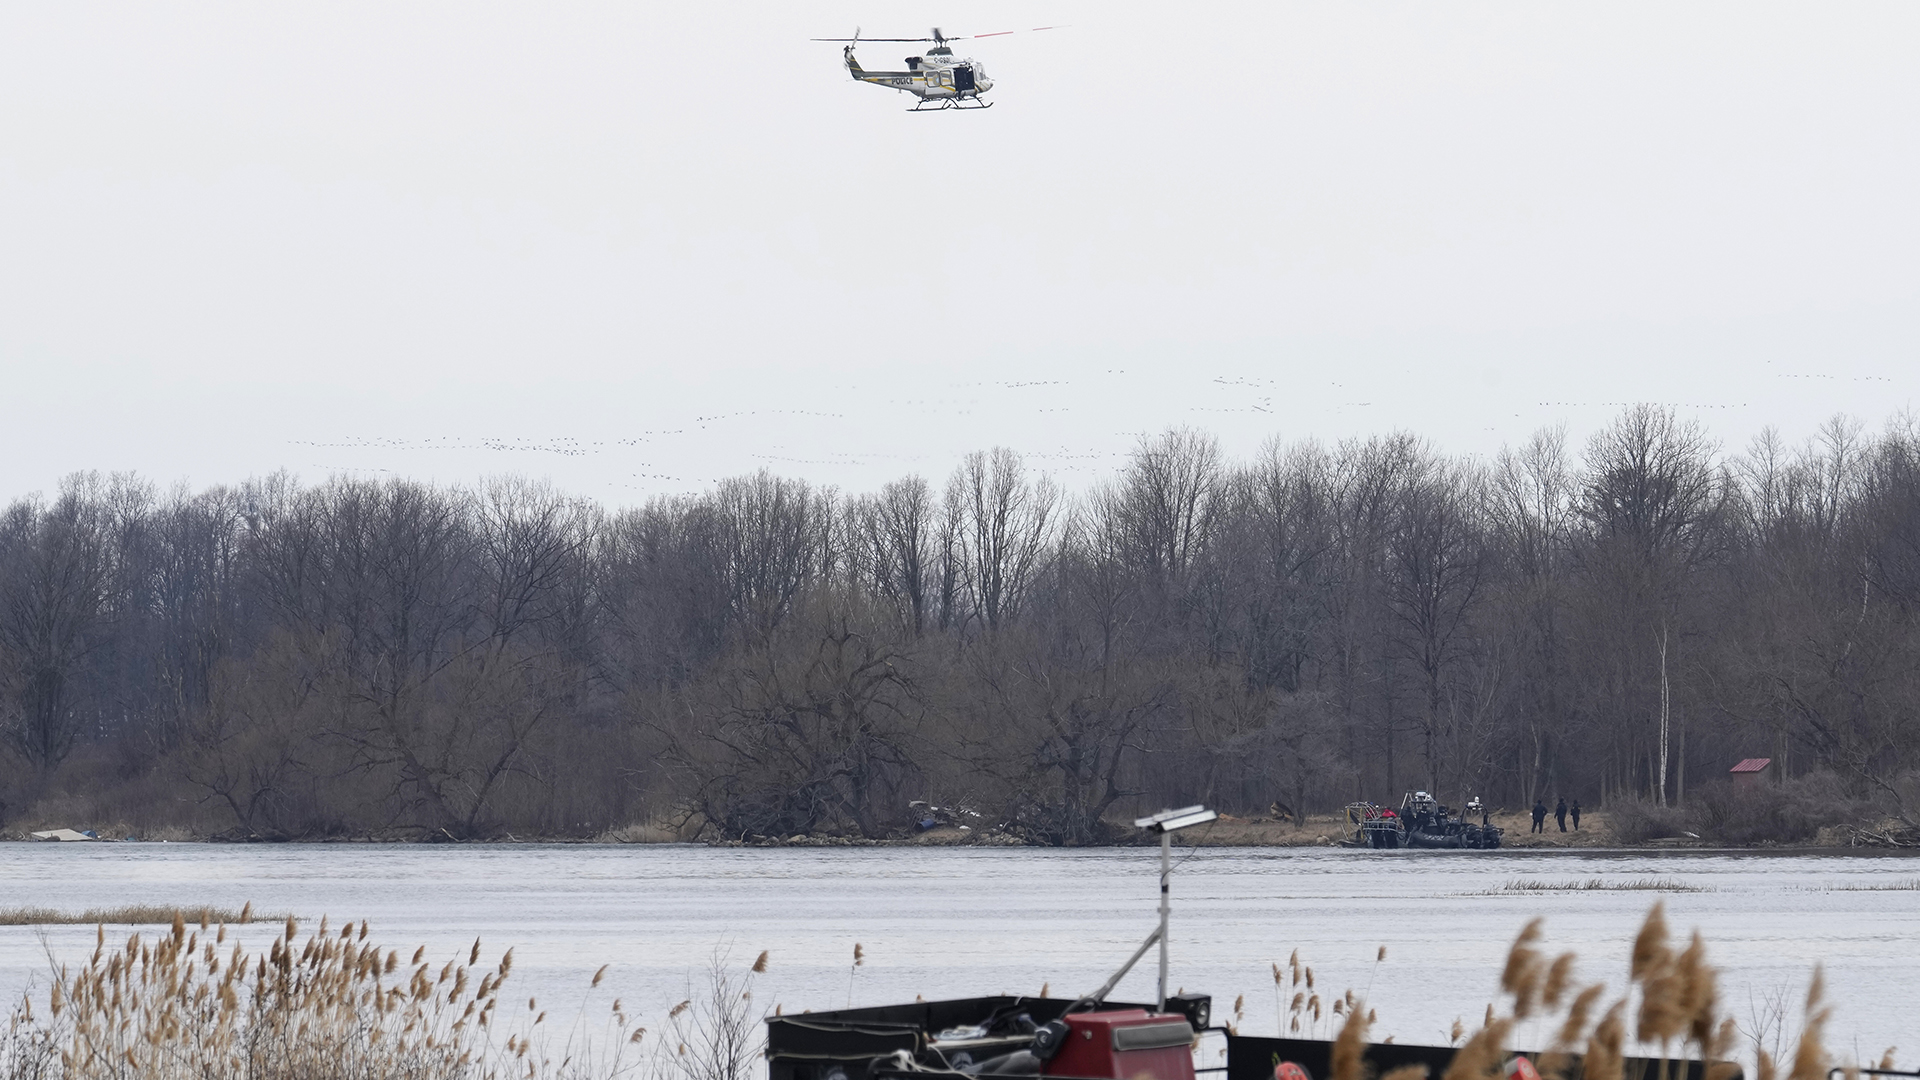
1421	822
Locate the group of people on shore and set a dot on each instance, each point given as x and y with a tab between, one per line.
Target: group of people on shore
1560	813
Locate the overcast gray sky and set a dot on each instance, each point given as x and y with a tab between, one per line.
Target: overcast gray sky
635	247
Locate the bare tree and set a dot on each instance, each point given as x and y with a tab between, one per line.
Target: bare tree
899	531
1365	663
811	732
1164	505
196	567
1436	561
768	538
1065	701
1651	501
55	564
1269	566
1531	510
1006	520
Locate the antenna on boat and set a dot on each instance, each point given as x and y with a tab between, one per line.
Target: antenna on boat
1166	823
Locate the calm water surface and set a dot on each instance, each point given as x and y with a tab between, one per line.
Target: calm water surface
952	922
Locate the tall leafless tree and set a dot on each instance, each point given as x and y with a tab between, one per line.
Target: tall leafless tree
1005	520
55	566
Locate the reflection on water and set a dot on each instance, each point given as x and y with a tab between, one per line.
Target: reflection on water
951	922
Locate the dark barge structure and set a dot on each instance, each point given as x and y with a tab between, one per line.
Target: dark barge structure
1001	1038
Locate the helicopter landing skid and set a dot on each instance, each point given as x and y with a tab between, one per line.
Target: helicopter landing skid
952	103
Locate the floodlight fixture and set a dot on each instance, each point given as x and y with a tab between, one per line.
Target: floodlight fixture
1167	821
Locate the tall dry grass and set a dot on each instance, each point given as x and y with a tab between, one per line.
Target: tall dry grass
1522	885
1671	1002
183	1004
129	915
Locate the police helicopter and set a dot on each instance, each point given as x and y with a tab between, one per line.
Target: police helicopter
938	79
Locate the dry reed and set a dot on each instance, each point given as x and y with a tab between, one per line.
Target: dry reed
1279	995
859	961
128	915
1810	1057
1719	1065
1482	1056
1677	998
1523	885
1605	1059
180	1004
1559	977
1650	945
1574	1028
1522	975
1698	993
1350	1047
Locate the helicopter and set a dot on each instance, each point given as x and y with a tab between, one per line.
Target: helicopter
936	78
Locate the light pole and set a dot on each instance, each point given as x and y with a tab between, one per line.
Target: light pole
1166	823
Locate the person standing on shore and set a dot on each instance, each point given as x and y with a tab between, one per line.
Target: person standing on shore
1576	813
1539	816
1560	813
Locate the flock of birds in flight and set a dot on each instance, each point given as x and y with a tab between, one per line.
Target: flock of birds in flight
742	429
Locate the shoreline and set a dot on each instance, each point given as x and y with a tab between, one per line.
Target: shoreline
1317	832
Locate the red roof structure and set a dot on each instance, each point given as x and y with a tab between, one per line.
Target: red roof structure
1752	765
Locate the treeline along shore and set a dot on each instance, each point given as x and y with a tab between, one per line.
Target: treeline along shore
1617	622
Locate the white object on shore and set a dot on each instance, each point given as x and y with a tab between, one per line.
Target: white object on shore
62	834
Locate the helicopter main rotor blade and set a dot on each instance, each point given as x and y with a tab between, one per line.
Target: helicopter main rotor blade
1003	33
947	37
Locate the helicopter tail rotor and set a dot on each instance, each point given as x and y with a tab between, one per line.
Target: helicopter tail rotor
846	51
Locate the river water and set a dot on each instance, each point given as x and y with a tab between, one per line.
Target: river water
949	922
